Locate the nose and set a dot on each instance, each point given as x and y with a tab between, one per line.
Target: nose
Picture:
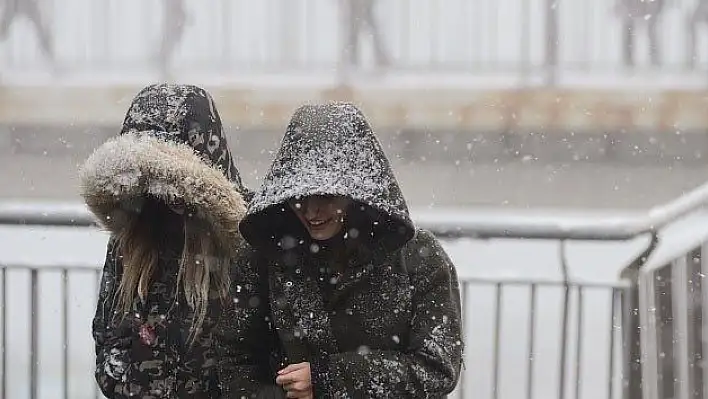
311	208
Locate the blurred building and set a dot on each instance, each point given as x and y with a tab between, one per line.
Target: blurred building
496	82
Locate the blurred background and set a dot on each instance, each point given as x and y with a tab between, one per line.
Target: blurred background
507	102
490	110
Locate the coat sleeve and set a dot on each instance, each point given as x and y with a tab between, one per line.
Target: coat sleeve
243	368
430	366
112	343
249	349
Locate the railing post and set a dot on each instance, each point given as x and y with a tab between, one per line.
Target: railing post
615	294
531	343
702	270
683	351
579	345
497	339
562	361
632	348
34	339
3	343
633	323
65	330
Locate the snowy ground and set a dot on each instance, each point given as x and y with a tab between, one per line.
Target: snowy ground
496	260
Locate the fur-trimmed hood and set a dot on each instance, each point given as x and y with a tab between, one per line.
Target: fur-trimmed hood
171	148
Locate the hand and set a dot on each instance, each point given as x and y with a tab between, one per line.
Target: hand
296	380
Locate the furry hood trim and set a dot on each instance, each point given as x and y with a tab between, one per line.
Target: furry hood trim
130	167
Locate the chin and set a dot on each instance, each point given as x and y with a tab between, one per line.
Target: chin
322	235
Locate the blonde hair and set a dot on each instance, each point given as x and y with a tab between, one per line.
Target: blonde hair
203	267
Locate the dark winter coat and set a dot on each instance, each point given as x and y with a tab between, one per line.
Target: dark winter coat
388	326
172	149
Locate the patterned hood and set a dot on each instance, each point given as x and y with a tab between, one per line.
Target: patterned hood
329	150
171	147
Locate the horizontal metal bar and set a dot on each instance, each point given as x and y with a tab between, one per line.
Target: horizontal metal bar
553	226
51	268
46	214
59	269
443	223
541	282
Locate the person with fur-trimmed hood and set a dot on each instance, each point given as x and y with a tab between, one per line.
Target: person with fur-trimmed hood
365	304
168	192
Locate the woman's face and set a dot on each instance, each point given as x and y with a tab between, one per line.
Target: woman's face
322	216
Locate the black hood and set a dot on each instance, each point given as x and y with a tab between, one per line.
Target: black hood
171	148
185	114
330	150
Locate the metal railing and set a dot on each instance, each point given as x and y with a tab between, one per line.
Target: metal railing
61	369
474	290
486	296
634	302
531	41
535	375
675	326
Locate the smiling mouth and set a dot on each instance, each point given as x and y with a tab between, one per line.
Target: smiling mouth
315	224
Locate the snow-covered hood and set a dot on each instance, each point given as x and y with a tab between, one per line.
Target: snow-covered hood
330	150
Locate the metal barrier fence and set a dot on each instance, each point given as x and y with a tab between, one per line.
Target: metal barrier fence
555	362
569	366
660	309
526	39
676	301
65	364
33	382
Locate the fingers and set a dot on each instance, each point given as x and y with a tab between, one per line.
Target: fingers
293	373
295	379
293	367
287	378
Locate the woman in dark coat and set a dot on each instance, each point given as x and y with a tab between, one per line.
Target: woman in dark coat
365	304
168	192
